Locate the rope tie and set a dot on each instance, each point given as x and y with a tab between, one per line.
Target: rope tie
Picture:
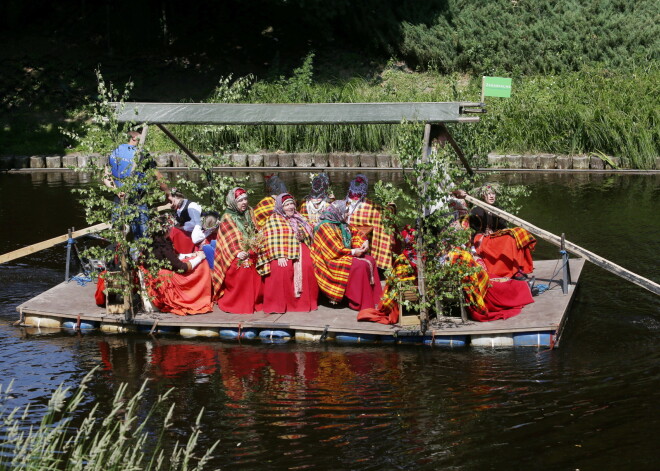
82	280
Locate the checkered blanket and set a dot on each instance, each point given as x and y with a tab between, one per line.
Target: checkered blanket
228	244
280	242
476	283
368	214
522	236
332	261
263	210
403	272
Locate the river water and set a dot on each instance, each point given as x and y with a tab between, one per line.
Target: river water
591	404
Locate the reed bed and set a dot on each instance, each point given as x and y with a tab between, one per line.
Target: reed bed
592	111
126	438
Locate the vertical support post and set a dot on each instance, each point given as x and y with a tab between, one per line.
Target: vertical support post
68	255
143	137
483	86
566	269
431	132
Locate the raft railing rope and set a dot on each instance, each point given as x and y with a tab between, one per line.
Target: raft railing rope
571	247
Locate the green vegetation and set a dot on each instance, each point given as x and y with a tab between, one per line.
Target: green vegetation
593	111
534	36
585	73
131	435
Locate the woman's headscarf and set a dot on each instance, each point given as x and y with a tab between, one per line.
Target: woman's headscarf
274	186
242	219
320	185
358	186
296	221
336	214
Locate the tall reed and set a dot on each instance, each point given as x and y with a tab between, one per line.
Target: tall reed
591	111
125	438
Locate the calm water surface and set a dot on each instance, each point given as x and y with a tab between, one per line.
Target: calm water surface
592	404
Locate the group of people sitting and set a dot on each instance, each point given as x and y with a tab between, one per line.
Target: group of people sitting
277	257
499	260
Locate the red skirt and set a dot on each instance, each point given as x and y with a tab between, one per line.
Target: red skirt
181	241
243	290
503	258
182	294
361	294
503	300
278	287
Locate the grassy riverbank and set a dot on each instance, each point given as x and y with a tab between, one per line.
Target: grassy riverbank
594	111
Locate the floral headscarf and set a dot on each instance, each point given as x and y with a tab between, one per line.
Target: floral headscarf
320	185
358	186
481	192
296	221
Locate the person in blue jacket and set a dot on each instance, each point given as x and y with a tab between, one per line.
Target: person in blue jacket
124	162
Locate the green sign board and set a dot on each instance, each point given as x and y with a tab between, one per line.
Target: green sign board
496	86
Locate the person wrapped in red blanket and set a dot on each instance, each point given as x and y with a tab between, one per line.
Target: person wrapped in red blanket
236	284
488	299
285	262
340	270
505	252
186	288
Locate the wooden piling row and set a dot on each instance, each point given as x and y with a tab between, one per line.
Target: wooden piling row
323	160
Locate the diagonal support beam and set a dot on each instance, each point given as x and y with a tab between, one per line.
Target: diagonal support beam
445	132
176	140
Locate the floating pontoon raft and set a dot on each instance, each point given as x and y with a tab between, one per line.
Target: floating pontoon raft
69	305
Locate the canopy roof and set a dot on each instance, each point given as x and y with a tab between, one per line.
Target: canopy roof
296	113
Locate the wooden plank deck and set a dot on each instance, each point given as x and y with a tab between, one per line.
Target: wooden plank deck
67	301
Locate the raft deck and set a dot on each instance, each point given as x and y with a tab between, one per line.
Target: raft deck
69	305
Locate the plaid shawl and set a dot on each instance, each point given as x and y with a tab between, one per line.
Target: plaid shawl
263	210
280	242
368	214
227	246
522	236
403	271
332	260
476	283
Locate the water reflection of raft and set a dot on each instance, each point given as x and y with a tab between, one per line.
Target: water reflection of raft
71	306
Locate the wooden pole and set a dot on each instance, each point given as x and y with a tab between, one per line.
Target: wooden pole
176	140
431	131
30	249
457	149
571	247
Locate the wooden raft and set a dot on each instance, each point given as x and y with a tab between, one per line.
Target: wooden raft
539	324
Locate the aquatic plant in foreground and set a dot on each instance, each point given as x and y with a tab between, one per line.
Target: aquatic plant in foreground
125	438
